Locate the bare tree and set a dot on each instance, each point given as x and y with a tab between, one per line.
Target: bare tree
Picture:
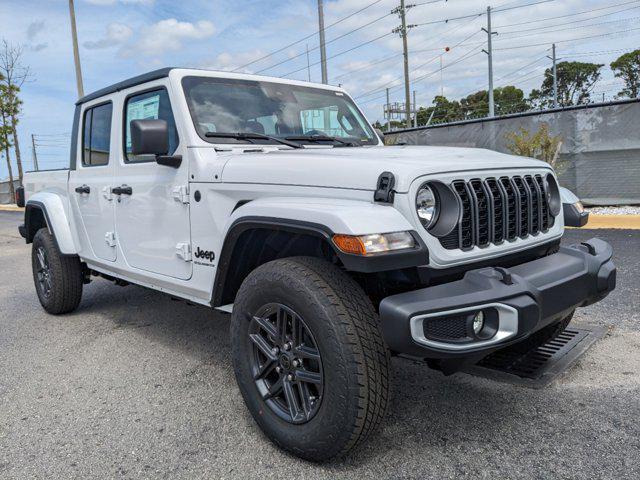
14	74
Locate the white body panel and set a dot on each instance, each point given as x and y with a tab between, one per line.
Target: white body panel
328	186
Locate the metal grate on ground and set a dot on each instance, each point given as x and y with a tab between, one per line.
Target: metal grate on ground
539	366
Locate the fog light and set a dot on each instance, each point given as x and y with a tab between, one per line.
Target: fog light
478	322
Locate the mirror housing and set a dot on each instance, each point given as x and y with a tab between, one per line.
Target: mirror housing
149	137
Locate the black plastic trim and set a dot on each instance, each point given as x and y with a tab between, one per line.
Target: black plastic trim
20	196
128	83
356	263
73	151
542	291
574	218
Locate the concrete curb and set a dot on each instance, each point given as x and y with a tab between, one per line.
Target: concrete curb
627	222
11	208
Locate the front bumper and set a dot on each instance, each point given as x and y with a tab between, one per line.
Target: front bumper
524	299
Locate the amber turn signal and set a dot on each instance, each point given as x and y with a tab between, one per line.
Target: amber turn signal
373	243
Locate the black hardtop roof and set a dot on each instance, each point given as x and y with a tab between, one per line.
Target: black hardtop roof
131	82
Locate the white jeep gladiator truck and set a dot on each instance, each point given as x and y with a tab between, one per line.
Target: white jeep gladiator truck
276	201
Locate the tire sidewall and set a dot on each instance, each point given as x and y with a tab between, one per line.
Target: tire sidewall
329	428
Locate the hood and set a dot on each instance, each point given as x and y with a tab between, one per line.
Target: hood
359	168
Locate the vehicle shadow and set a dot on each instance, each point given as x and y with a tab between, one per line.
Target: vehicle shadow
428	411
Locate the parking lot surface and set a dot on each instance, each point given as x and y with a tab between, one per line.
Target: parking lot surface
135	385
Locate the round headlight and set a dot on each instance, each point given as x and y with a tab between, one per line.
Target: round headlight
426	206
553	195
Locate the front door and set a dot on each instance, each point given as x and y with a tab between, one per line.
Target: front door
90	183
152	209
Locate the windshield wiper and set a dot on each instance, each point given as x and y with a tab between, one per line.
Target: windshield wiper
251	136
321	138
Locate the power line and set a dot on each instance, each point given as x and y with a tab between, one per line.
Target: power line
568	40
622	20
326	43
569	14
342	52
308	36
573	22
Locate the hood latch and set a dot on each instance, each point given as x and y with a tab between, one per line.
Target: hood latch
384	191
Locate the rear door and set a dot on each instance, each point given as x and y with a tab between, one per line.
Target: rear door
152	218
90	182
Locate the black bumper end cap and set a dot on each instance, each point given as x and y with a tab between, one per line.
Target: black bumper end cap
573	217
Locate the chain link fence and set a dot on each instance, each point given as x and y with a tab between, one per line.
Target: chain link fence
600	153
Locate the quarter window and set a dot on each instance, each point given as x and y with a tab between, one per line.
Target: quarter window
149	105
97	135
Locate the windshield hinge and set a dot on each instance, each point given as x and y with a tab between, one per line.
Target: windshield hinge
181	193
384	190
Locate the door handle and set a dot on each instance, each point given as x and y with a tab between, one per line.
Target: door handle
123	190
83	189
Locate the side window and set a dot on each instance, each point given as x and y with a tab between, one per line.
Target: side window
96	135
149	105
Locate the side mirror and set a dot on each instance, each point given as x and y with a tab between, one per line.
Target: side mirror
151	137
380	134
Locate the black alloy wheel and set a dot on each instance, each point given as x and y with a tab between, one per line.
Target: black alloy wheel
286	363
43	272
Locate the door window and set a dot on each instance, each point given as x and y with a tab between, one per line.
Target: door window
149	105
96	135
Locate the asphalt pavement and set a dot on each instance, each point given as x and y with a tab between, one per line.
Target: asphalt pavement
135	385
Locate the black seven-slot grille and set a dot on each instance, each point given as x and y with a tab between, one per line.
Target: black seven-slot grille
501	209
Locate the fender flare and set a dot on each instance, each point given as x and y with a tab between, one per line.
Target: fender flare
249	217
52	208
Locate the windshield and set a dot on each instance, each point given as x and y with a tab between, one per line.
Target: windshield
303	114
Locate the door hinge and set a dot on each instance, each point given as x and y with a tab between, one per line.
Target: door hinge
110	238
183	250
106	193
181	193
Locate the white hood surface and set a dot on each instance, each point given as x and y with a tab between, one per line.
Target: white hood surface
359	168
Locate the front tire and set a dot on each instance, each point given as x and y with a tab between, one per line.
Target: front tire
57	278
309	358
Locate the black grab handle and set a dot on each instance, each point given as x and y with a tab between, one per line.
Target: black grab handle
123	190
83	189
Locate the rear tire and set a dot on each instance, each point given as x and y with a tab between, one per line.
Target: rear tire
57	278
352	384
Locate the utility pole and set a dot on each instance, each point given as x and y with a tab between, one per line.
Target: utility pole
308	64
415	111
489	52
76	53
388	113
555	77
402	30
323	48
35	155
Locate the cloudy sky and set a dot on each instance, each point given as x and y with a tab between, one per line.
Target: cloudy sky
123	38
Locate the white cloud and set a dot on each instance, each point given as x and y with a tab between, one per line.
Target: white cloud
113	2
230	61
117	34
168	35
